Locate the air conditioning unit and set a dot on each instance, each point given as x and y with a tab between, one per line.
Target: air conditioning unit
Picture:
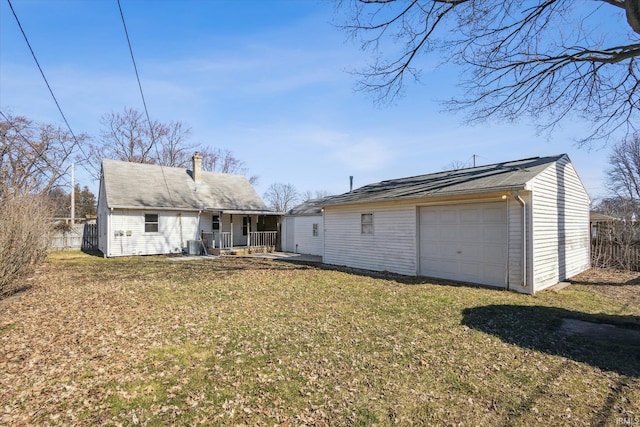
194	247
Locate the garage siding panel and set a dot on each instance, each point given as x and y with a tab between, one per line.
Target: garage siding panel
391	247
560	225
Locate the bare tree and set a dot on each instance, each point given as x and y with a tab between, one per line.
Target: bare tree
175	150
623	176
128	136
456	165
615	239
223	161
281	197
616	234
310	195
545	59
35	157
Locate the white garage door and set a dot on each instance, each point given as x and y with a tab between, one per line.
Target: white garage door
465	242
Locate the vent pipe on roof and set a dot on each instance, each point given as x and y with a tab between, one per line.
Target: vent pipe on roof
350	183
196	170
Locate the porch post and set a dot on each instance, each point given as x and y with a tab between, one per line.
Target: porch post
248	231
231	219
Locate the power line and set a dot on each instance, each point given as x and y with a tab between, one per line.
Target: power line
144	102
46	81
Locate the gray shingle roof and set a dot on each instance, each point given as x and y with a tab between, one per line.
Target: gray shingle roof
482	179
308	208
137	185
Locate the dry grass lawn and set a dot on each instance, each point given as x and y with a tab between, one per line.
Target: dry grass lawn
232	341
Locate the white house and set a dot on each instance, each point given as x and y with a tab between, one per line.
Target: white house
147	209
521	225
302	229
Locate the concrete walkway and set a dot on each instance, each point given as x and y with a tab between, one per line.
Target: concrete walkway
287	256
282	256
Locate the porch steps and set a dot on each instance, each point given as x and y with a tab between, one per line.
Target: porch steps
238	251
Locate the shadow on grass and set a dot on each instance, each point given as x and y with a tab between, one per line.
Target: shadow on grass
541	329
385	275
93	252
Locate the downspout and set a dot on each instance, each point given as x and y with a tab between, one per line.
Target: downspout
109	230
180	225
516	196
506	271
198	224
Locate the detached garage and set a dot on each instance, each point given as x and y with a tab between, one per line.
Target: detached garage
521	225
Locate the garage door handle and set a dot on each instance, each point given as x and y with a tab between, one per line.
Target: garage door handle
460	252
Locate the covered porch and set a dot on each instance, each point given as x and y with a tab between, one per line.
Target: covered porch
226	232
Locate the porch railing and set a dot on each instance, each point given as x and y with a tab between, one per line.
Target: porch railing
262	238
226	239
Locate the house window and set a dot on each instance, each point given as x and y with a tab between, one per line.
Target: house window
215	224
150	223
246	225
366	223
315	230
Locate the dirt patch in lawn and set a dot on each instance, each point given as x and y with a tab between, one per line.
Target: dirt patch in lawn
601	332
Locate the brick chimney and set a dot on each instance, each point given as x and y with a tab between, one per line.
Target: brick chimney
196	171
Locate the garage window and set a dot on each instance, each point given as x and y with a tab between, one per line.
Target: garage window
150	223
314	231
366	223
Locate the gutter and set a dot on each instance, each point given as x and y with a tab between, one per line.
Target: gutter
353	199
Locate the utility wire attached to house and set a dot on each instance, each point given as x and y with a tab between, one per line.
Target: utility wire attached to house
144	102
46	81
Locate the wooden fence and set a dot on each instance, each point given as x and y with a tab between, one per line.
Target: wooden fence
80	237
607	254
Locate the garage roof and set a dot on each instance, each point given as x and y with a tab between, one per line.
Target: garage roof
136	185
308	208
503	176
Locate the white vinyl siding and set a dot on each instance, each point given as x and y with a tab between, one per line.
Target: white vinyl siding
288	234
391	247
128	237
304	242
560	225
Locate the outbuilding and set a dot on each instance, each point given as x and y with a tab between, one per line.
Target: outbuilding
302	228
521	225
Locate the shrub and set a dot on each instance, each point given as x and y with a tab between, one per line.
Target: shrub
25	232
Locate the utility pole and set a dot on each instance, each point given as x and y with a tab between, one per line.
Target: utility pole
73	199
475	156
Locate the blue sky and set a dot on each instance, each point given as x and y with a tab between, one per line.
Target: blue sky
267	80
